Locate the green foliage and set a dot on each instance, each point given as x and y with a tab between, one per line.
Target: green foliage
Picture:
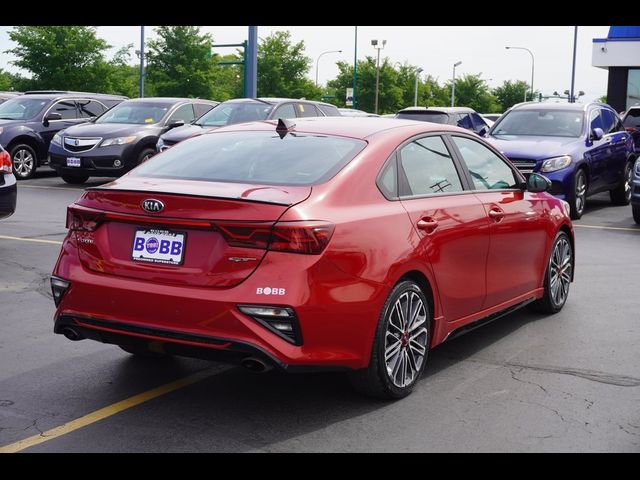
603	99
510	93
473	92
282	68
227	80
61	57
180	64
6	82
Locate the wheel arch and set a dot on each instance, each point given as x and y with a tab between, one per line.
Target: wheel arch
30	140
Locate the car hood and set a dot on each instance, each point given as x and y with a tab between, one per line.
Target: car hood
182	133
532	147
110	130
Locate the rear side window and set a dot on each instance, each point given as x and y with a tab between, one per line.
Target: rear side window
255	157
285	111
307	110
329	110
434	117
202	108
632	118
429	167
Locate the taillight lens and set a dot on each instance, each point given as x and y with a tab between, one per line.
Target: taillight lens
295	237
82	219
306	237
631	129
5	162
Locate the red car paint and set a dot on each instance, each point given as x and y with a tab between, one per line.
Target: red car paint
474	262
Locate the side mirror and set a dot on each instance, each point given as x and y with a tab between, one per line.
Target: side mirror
597	134
52	116
537	183
176	123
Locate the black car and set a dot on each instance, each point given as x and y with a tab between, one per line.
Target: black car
120	139
460	116
631	122
4	96
29	122
241	110
8	188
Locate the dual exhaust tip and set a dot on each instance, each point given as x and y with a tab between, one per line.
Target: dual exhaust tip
72	334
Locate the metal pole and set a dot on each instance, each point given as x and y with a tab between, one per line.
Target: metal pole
377	80
142	61
453	86
355	69
415	94
532	69
251	64
572	97
318	61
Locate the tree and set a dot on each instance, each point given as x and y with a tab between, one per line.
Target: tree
473	92
227	80
432	94
180	63
282	68
510	93
124	78
5	80
61	57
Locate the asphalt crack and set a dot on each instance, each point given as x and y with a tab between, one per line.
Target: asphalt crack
513	375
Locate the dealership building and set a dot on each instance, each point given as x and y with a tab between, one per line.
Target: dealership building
620	54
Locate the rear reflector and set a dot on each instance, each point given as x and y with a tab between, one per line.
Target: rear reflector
280	320
59	287
5	162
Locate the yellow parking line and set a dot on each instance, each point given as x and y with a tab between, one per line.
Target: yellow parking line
35	240
108	411
608	228
21	185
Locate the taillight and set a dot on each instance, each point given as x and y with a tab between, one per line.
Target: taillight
82	219
631	129
294	237
301	237
5	162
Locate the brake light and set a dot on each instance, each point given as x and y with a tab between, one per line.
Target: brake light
295	237
301	237
631	129
5	162
82	219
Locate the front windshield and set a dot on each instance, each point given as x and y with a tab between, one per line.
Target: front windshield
543	123
229	113
21	108
136	113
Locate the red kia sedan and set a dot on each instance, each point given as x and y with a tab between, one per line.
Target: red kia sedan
350	244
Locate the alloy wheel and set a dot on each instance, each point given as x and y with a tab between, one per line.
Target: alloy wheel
23	162
560	269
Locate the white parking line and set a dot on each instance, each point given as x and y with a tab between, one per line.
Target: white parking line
34	240
21	185
600	227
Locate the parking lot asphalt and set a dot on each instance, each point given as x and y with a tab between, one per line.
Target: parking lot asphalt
568	382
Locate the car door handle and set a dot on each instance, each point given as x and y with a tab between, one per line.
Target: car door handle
427	224
496	214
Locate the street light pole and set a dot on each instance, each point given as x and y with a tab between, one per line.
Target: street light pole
415	94
355	69
572	97
375	45
532	67
142	61
453	85
318	61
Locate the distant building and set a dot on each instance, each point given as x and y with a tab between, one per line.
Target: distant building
620	54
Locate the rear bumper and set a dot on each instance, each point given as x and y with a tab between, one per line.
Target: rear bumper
205	322
8	196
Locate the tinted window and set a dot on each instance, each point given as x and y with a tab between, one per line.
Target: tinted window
329	110
464	121
488	171
478	122
137	113
184	113
307	110
285	111
545	123
255	157
21	108
65	108
608	120
632	118
230	113
90	108
202	108
434	117
596	120
429	167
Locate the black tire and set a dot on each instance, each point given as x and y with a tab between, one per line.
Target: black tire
621	195
578	195
141	350
554	299
375	380
75	179
145	154
636	213
24	160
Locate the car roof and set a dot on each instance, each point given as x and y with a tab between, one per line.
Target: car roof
274	100
54	96
353	127
557	106
437	109
169	100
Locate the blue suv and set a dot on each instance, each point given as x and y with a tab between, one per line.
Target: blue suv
582	148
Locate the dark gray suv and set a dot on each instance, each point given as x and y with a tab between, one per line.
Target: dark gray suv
29	122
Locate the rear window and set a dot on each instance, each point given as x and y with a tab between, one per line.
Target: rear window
255	158
433	117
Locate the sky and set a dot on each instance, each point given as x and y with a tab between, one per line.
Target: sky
481	49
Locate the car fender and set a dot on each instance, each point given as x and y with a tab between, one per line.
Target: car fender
24	134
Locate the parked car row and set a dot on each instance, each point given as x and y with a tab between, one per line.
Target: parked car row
8	188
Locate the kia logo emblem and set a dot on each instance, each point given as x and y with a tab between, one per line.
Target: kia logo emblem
152	205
